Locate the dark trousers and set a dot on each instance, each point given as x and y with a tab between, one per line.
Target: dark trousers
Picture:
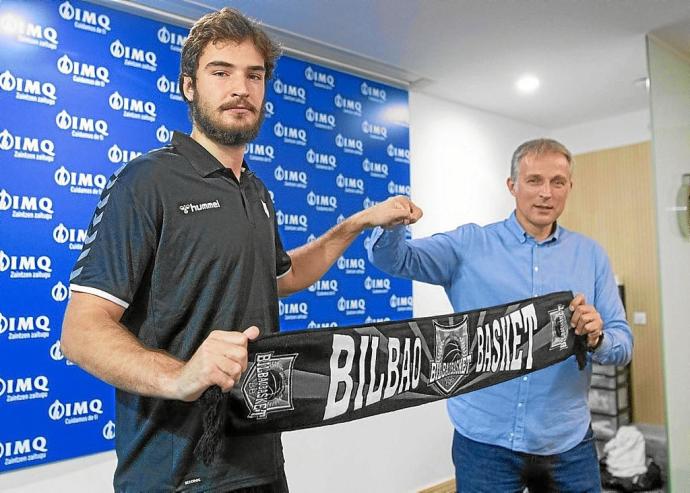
483	468
278	486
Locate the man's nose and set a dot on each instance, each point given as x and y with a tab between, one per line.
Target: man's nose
545	190
239	86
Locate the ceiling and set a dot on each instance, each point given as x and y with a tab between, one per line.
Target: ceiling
587	53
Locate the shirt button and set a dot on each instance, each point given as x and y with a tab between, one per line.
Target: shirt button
511	435
536	269
519	404
524	379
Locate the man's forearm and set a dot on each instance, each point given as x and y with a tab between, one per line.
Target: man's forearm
107	350
311	261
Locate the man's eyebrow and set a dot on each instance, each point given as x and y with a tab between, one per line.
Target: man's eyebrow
221	63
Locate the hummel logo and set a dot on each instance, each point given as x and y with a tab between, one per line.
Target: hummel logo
187	208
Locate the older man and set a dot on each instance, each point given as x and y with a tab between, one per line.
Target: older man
537	427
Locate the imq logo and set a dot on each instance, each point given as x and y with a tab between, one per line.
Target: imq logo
399	154
269	111
59	292
135	109
26	207
83	73
376	94
290	135
376	320
73	238
25	327
34	91
57	355
117	155
323	203
398	188
321	325
26	266
108	431
292	222
351	265
293	311
401	303
260	152
175	41
356	306
85	20
349	145
291	178
24	388
322	160
134	57
24	147
324	121
374	130
82	127
289	92
76	412
348	106
377	285
79	182
367	202
163	134
23	450
319	79
28	32
374	169
350	184
324	287
171	87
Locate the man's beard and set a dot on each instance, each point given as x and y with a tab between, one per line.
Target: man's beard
225	135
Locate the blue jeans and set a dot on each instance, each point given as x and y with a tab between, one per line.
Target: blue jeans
482	468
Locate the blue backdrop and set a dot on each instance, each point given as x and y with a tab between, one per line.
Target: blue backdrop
83	89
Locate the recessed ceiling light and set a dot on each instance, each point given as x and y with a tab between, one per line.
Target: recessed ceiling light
527	84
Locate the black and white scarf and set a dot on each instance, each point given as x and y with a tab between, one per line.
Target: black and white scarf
310	378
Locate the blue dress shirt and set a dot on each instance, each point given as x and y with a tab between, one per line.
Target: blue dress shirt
545	412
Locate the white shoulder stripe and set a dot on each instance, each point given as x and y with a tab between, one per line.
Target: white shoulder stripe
100	293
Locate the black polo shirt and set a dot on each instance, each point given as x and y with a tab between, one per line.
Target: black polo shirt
186	248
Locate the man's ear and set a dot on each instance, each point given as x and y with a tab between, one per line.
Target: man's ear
188	87
511	186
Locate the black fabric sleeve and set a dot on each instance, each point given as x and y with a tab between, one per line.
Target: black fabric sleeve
120	244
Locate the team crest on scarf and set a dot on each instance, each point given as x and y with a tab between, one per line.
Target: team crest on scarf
267	386
452	358
559	328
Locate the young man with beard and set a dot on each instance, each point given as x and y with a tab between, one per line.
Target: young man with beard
183	266
535	430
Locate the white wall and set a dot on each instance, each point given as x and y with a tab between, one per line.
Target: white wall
616	131
670	76
460	160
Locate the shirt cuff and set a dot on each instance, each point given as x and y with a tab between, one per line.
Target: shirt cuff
604	347
100	293
382	238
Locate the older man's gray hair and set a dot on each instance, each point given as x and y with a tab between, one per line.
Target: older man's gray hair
538	147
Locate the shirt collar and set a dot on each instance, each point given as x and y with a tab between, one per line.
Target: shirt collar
201	160
521	235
